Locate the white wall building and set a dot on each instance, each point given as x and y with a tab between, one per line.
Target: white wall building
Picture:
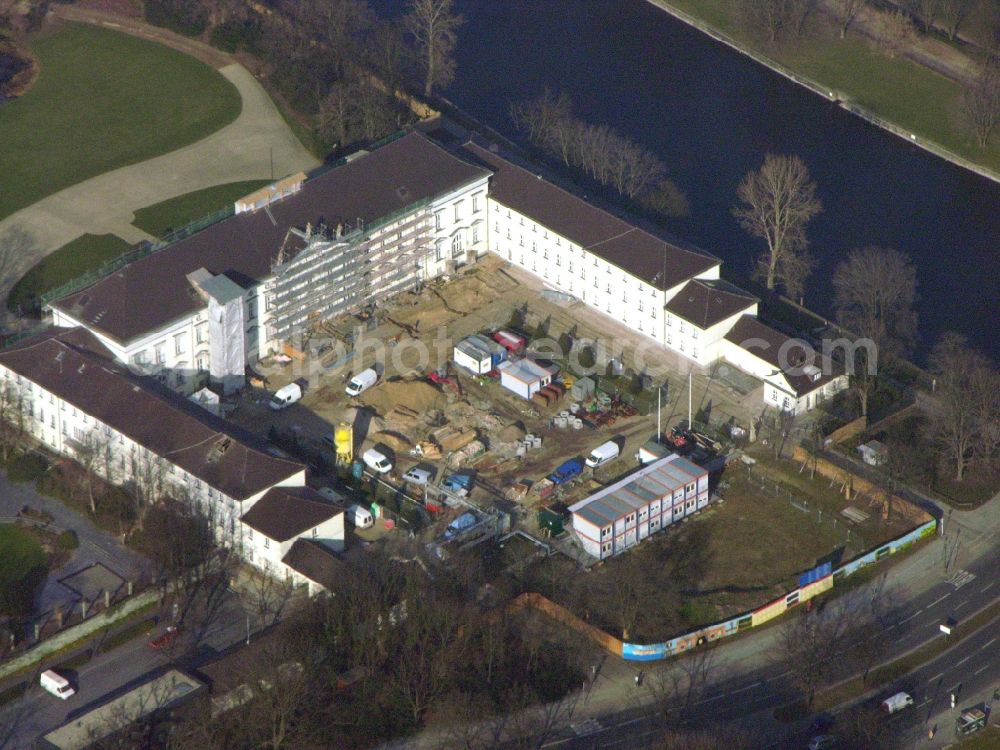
622	514
283	516
72	397
154	314
524	377
796	378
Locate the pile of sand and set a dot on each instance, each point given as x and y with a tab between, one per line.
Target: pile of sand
417	395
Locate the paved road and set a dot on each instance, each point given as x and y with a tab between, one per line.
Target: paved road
96	545
242	150
747	692
107	675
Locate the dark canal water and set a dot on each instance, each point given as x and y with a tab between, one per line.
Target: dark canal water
711	114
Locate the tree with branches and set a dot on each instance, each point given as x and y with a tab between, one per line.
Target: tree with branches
777	202
874	293
434	25
845	11
981	101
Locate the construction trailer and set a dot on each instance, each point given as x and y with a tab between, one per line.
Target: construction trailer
621	515
525	377
478	354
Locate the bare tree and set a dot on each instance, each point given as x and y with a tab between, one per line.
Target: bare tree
874	293
954	13
981	101
893	30
954	419
778	201
845	11
17	247
706	739
926	11
769	17
433	24
679	685
799	12
90	451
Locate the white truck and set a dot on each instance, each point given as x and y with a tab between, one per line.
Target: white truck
897	702
377	461
53	682
362	382
602	454
286	396
360	516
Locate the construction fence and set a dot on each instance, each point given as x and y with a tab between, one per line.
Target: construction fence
811	583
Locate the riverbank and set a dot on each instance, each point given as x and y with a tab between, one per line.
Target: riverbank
895	94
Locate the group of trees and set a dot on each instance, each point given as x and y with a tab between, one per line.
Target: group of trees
603	154
417	650
336	62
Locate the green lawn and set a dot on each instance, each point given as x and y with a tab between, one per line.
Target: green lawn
22	569
895	89
176	212
104	100
73	259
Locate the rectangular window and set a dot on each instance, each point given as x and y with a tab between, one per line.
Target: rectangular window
458	211
315	533
475	204
437	221
179	343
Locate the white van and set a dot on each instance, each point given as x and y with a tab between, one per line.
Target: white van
602	454
897	702
55	683
286	396
362	382
377	461
360	516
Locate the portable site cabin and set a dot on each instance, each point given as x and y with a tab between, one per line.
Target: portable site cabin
622	514
525	377
478	354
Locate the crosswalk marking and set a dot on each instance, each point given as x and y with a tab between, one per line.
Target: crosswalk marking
961	577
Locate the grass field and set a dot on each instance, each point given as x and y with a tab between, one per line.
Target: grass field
22	566
71	260
103	100
176	212
895	89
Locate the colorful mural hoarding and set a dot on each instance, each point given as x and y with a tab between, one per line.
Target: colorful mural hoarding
769	611
816	588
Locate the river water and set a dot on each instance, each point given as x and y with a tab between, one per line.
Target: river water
711	114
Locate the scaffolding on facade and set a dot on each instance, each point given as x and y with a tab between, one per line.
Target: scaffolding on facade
322	272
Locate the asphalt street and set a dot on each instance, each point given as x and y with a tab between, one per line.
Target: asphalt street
108	675
747	695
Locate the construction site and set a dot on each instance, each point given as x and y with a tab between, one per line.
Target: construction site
493	456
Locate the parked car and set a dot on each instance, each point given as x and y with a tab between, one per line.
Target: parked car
567	470
897	702
166	638
286	396
360	516
602	454
418	476
362	382
377	461
53	682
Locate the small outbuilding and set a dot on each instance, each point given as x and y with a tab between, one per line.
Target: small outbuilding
582	389
525	377
478	354
874	453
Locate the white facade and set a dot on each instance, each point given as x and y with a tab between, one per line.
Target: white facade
68	430
569	268
621	515
779	393
267	553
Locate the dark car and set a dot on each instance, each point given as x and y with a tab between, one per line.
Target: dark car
166	638
821	723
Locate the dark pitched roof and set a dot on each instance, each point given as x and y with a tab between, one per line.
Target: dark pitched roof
654	260
72	364
154	290
791	357
706	302
315	561
285	512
